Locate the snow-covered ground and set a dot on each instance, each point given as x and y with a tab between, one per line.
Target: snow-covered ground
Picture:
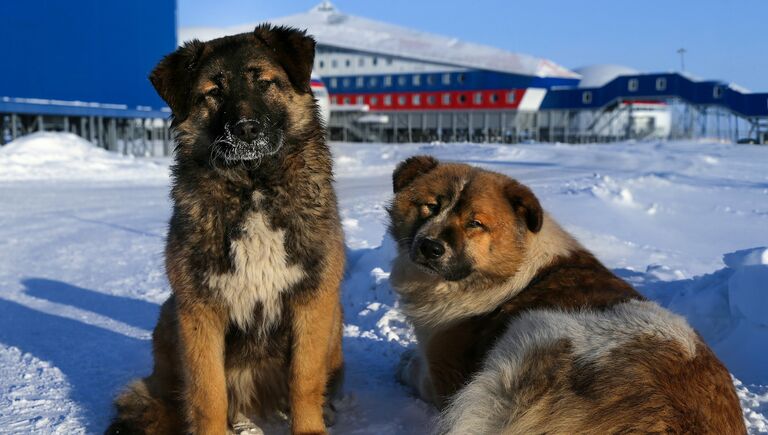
81	274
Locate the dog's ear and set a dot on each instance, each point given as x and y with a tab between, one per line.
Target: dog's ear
525	204
411	169
295	51
172	77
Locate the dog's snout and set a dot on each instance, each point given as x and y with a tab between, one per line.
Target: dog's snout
246	130
431	249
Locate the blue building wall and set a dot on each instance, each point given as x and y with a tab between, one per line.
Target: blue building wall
95	51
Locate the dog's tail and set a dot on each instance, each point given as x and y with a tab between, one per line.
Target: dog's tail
141	413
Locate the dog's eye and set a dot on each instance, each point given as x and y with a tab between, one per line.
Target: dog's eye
213	93
429	209
474	223
265	83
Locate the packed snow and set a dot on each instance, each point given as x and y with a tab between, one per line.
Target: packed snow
81	267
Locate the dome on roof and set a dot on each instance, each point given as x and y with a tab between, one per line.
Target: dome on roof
594	76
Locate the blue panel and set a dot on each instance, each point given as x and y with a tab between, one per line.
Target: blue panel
93	51
694	92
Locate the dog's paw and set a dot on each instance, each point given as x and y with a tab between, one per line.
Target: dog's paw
244	426
329	413
406	366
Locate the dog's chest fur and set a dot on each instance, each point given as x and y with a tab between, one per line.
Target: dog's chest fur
260	274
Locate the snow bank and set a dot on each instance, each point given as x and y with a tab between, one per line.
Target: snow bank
728	307
65	156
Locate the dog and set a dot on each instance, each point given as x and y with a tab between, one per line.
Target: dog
254	253
521	330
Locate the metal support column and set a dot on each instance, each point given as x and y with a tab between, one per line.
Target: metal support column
14	126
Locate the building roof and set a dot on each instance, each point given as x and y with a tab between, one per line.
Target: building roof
331	27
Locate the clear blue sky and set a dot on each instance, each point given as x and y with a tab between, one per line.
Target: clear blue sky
725	39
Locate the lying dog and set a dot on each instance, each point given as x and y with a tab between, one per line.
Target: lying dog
255	248
521	330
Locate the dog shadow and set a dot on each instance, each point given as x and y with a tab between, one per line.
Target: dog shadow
96	362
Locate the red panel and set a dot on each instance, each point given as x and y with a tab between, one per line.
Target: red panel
444	100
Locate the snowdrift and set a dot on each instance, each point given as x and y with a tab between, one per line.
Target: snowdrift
66	156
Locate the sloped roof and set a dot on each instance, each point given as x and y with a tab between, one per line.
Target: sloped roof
331	27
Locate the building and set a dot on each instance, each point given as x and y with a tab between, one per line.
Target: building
394	84
82	66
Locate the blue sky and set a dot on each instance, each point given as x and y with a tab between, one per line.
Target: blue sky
725	40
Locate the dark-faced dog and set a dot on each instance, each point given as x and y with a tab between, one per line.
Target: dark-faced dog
254	253
523	331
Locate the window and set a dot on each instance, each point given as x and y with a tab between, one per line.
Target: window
387	100
661	84
373	82
718	92
401	81
334	63
633	85
446	99
334	100
359	100
494	98
586	97
322	64
511	97
374	101
430	80
389	61
387	81
416	100
460	78
375	61
346	82
446	79
431	100
478	98
347	63
360	82
462	98
346	100
333	82
361	61
401	100
416	80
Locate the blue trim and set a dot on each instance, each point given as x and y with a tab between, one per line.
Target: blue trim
59	110
677	85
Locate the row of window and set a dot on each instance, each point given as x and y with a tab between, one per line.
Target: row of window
661	85
334	63
401	81
446	99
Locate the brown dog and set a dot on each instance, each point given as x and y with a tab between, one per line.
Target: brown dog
255	248
521	330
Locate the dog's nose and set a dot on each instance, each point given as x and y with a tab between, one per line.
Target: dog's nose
246	130
431	249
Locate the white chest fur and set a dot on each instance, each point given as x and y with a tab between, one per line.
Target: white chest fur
261	273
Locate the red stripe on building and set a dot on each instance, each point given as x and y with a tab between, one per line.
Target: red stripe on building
445	100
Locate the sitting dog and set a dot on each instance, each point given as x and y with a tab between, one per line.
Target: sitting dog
523	331
254	253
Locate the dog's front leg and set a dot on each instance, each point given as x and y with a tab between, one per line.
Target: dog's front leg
201	330
313	324
412	372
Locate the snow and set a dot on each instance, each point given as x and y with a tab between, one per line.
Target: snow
65	156
595	76
81	264
331	27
